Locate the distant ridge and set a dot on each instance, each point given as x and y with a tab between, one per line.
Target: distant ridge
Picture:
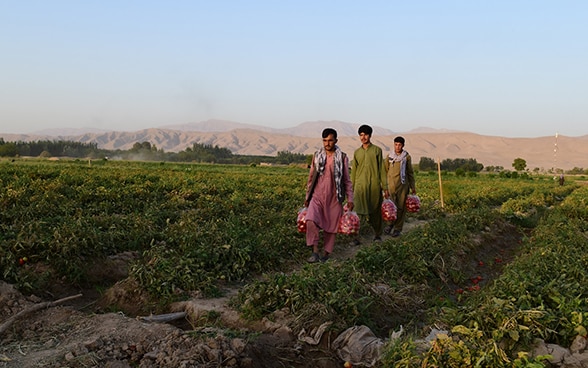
305	138
433	130
56	132
215	125
306	129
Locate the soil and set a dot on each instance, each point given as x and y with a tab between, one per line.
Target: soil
88	331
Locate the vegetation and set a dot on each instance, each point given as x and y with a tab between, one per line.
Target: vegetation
519	164
206	153
142	151
428	164
500	262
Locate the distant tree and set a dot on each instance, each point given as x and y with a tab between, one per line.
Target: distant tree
519	164
461	163
426	164
505	174
287	157
575	171
8	149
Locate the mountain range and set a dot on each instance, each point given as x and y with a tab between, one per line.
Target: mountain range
543	153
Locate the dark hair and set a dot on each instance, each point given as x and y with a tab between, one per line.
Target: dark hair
329	131
365	129
399	139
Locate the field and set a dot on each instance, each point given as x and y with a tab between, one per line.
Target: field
495	265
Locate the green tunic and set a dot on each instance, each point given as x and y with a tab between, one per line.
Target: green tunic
368	175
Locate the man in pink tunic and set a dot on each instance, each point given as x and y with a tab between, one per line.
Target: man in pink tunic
328	186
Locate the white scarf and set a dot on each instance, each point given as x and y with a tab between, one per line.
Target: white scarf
320	160
393	157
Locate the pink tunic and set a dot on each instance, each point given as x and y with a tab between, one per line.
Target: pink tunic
324	209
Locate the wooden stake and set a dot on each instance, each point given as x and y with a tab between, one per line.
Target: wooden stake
440	183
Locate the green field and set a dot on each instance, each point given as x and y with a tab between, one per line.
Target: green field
498	262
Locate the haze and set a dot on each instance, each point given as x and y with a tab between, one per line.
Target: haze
502	68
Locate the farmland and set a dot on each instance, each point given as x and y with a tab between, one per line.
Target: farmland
485	265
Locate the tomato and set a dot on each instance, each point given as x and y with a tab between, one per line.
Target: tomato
301	220
413	203
389	211
349	223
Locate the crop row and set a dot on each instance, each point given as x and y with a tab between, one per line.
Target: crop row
196	227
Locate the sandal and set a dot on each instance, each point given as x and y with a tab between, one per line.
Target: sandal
314	258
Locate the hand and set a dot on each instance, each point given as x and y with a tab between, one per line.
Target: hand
386	194
306	203
350	206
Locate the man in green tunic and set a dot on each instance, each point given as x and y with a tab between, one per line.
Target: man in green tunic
368	174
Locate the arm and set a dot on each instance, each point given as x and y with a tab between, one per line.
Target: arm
348	183
353	171
309	182
410	175
383	170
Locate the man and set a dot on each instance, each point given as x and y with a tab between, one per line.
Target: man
368	174
400	181
328	185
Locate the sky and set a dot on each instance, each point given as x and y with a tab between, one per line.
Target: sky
502	68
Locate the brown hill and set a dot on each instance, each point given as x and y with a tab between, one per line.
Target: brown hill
489	150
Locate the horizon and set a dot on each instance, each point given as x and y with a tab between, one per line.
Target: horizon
500	69
73	131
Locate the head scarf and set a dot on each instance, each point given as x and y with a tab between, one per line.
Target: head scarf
320	160
393	157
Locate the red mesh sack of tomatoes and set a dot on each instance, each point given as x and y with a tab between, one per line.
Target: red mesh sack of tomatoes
388	210
413	203
349	223
301	220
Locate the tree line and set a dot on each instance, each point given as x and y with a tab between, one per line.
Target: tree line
144	151
448	164
207	153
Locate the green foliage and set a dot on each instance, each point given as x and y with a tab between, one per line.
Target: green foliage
469	164
427	164
238	220
519	164
343	298
142	151
199	227
285	157
541	294
8	149
52	148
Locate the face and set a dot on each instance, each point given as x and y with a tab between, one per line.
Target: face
398	147
329	143
364	138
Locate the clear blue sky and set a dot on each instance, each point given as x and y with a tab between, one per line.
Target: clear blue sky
506	68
